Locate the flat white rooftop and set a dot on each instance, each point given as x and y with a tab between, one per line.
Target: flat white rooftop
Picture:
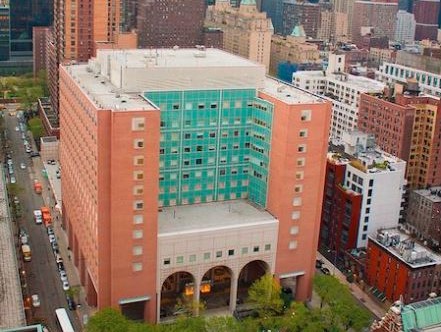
407	249
103	93
211	216
358	83
288	93
176	58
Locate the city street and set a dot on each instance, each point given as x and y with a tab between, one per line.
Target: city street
41	274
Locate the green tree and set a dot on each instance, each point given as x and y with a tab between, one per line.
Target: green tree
265	295
74	292
108	320
36	127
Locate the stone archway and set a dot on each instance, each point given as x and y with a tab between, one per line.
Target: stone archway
248	275
215	287
176	289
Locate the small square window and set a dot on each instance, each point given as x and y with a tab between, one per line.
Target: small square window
298	188
136	267
138	190
244	250
297	201
192	258
301	148
231	252
292	245
207	256
138	124
137	234
138	143
180	259
267	247
166	261
138	205
256	249
295	215
305	115
299	175
138	160
187	136
137	250
294	230
218	254
301	162
138	175
303	133
138	219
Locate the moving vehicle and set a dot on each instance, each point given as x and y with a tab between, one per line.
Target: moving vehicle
47	219
35	301
37	187
26	251
63	320
38	217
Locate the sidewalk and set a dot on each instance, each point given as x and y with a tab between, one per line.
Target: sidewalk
83	311
378	310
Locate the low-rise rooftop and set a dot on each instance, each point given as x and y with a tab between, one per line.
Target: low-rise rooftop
289	94
405	248
433	194
211	216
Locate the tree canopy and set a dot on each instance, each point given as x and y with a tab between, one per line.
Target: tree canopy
338	312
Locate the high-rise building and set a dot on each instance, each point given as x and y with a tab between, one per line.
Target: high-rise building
406	126
80	27
344	16
274	10
426	15
194	178
246	31
170	23
5	41
373	18
301	13
40	40
364	187
25	14
405	27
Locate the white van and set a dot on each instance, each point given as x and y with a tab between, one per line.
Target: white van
38	217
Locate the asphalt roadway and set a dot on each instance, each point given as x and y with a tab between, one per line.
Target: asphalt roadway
41	274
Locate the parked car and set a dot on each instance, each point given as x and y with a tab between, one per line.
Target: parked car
35	301
71	303
60	267
24	239
63	275
23	166
50	230
34	154
66	286
17	129
13	180
325	271
28	149
16	200
10	162
319	263
54	245
58	258
52	238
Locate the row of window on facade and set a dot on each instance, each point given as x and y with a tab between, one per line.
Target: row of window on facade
219	254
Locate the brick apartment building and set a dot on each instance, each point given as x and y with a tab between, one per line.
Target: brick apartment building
399	267
406	126
361	194
198	174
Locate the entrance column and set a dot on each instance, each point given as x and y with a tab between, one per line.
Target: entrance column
233	291
197	296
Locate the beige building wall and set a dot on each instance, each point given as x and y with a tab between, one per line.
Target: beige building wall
246	31
293	49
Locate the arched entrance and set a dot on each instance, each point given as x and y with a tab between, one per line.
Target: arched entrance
215	287
248	275
176	289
